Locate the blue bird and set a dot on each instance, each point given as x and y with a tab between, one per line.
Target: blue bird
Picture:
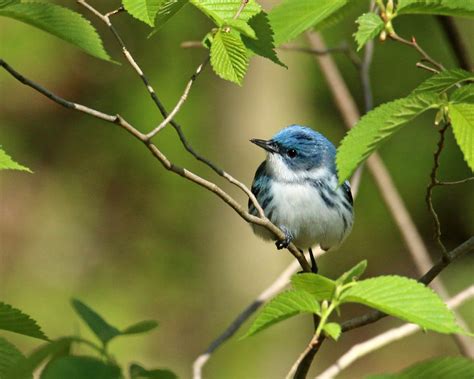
297	187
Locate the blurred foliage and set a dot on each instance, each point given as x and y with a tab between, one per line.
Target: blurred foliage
101	220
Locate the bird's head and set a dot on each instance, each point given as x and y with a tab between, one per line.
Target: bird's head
297	150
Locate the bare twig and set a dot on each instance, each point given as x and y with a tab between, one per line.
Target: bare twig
164	113
432	184
241	8
427	68
373	344
456	40
114	12
462	181
424	55
305	359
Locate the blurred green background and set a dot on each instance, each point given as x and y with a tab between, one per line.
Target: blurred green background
101	220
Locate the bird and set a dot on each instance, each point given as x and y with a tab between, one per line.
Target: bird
298	189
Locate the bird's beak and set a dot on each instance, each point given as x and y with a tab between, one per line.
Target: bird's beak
266	145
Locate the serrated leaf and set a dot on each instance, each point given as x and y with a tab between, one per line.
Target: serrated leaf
221	10
167	9
283	306
143	10
140	327
138	372
462	121
28	365
16	321
370	26
62	22
438	7
290	18
263	45
229	57
354	273
7	163
377	126
9	356
465	94
80	367
406	299
444	80
436	368
101	328
319	286
333	330
242	27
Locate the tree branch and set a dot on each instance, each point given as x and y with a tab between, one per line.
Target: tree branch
373	344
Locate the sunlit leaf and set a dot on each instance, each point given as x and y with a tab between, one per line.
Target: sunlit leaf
439	7
462	121
7	163
370	26
319	286
333	330
444	80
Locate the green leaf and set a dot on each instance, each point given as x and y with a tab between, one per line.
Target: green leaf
143	10
436	368
221	10
406	299
263	45
370	26
103	330
465	94
377	126
290	18
80	367
4	3
319	286
242	27
283	306
9	356
167	9
16	321
140	327
61	22
27	366
444	80
439	7
354	273
333	330
229	57
462	121
7	163
138	372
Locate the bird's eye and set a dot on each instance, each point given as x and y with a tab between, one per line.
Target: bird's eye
292	153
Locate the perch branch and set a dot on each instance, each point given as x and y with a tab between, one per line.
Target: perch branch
373	344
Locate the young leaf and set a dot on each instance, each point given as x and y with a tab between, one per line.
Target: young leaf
80	367
370	25
61	22
138	372
406	299
333	330
140	327
222	10
7	163
16	321
465	94
229	57
9	356
143	10
28	365
263	45
437	368
290	18
319	286
283	306
242	27
444	80
354	273
377	126
101	328
438	7
462	121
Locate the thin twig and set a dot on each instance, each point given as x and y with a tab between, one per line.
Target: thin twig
432	184
305	359
164	113
167	164
427	68
424	55
373	344
241	8
114	12
462	181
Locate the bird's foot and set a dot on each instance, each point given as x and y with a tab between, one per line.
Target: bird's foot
283	244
